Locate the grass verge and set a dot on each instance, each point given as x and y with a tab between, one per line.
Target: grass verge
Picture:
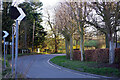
6	73
9	56
90	67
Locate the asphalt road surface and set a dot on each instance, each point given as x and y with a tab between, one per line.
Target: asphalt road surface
38	66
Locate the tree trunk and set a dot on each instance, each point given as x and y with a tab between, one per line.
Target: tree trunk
82	46
33	35
56	46
115	37
111	50
67	48
106	41
76	44
25	37
71	48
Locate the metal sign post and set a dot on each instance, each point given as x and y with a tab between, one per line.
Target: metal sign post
4	54
16	49
12	49
6	43
18	14
6	34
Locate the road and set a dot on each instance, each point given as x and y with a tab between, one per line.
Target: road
38	66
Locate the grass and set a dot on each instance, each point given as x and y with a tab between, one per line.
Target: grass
9	56
90	67
6	73
7	70
57	53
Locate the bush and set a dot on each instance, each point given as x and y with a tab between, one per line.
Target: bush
91	43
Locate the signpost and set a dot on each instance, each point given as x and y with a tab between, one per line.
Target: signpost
10	47
6	34
13	33
18	14
6	43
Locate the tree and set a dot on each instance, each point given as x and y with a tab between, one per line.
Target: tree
31	30
66	26
6	20
105	18
79	14
54	30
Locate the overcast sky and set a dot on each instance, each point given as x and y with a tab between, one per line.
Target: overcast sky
48	5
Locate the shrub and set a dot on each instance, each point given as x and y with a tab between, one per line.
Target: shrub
91	43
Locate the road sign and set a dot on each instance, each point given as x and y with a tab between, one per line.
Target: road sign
14	13
15	2
22	14
6	34
6	43
17	13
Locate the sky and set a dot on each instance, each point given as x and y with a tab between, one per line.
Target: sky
48	5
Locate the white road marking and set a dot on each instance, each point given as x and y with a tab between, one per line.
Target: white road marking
52	64
68	70
91	75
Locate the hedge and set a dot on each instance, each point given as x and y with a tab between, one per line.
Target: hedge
97	55
91	43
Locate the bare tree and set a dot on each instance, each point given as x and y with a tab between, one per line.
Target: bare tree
79	13
66	27
104	16
53	28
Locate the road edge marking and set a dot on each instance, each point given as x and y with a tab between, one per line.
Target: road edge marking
48	61
95	76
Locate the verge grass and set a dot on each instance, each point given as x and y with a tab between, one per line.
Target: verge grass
90	67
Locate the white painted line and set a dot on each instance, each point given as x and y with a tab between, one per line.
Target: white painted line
81	74
60	68
63	70
75	72
52	64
